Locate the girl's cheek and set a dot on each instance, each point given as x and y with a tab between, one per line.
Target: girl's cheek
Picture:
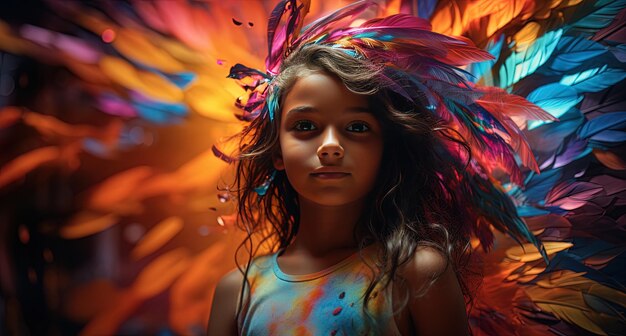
293	144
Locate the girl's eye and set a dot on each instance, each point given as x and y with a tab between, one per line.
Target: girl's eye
358	127
304	126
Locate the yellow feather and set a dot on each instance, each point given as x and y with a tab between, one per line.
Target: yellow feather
528	252
565	295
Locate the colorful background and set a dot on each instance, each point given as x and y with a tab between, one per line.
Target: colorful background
111	219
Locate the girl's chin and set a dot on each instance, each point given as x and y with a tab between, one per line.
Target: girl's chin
332	200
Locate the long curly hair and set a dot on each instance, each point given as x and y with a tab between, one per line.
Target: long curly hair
414	201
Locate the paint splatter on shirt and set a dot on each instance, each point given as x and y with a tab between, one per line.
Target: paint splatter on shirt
328	302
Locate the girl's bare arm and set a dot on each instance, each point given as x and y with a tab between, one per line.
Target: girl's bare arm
223	310
436	308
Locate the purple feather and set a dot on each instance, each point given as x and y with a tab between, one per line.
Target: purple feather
278	41
223	156
316	28
571	195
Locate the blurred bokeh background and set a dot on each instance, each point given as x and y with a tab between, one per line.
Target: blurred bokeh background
111	219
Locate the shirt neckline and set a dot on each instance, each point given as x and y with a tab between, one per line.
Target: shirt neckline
310	276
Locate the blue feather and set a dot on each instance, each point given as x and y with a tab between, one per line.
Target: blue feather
530	211
602	14
611	121
609	136
538	185
555	99
594	80
425	8
521	64
572	52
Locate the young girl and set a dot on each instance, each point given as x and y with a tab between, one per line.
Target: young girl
361	182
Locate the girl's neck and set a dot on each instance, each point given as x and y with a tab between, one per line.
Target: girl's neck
326	229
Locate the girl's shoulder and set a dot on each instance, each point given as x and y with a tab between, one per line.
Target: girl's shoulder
226	296
436	304
224	307
425	264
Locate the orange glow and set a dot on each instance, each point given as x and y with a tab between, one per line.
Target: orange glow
25	163
158	236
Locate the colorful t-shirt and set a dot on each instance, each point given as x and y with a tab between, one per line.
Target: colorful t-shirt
329	302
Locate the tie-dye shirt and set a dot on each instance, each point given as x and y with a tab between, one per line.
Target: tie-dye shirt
328	302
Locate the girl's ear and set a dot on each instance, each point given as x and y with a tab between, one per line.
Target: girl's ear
277	159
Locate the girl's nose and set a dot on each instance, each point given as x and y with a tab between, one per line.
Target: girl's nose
330	148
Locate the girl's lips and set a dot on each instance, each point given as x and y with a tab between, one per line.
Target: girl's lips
330	176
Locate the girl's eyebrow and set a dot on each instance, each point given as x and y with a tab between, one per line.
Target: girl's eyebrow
309	109
302	109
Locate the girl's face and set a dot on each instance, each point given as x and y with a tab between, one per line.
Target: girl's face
331	143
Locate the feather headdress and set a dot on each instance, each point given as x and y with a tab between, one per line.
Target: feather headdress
423	67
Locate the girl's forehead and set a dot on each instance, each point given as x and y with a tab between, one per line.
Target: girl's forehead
323	88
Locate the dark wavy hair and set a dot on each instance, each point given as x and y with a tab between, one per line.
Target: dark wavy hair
412	203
